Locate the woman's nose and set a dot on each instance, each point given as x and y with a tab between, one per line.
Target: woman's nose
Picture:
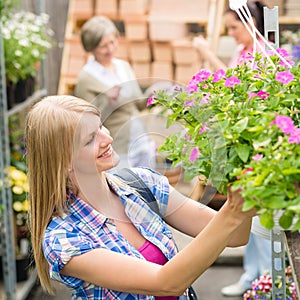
104	137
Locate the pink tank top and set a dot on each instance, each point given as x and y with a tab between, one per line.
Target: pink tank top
154	254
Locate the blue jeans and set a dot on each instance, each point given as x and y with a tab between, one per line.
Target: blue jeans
257	259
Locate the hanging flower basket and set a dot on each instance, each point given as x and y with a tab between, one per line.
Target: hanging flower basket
242	129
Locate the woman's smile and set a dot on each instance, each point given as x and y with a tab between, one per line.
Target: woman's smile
107	153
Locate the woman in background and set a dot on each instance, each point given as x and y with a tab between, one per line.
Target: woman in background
110	83
237	30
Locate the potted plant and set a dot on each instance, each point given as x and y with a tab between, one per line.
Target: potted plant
235	133
26	42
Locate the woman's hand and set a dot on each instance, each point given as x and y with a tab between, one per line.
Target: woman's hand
202	45
235	203
113	94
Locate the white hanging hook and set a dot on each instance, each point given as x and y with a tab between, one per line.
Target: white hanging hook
241	8
237	4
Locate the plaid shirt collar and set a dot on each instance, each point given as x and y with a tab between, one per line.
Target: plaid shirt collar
90	216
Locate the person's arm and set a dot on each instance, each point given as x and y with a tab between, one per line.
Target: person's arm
202	46
123	273
191	217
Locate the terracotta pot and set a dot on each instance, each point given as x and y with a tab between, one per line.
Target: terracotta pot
208	195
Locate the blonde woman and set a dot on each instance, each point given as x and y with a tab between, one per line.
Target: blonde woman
93	233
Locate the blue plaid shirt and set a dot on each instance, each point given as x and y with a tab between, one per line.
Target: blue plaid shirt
85	229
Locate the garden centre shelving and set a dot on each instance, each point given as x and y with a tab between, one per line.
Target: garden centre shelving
11	290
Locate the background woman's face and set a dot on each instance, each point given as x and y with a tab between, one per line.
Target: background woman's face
106	49
237	29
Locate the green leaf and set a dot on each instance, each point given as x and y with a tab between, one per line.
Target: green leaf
241	125
248	205
243	152
266	220
275	202
285	221
256	128
295	208
291	171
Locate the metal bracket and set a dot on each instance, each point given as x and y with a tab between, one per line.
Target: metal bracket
278	264
271	24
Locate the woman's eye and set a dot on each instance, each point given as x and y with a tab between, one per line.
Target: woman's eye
90	140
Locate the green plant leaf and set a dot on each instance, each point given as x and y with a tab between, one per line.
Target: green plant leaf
241	125
266	220
243	152
285	221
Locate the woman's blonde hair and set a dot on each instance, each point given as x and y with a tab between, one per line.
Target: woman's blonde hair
50	132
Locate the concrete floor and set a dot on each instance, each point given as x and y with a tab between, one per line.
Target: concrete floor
225	271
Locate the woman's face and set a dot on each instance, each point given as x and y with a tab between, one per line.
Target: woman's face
93	152
237	29
106	49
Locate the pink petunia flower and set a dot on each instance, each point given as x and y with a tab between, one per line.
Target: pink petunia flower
232	81
187	136
218	75
284	77
194	154
263	94
283	52
257	157
285	123
202	75
251	95
150	101
295	136
189	103
203	128
205	99
192	85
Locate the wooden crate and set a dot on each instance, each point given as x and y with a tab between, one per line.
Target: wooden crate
162	51
136	29
184	52
139	52
122	49
107	7
160	30
184	73
142	70
81	8
162	70
181	10
133	7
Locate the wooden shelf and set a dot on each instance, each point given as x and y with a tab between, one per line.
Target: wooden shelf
289	20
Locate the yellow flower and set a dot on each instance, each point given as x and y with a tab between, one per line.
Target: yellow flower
17	206
17	175
25	205
18	190
26	187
